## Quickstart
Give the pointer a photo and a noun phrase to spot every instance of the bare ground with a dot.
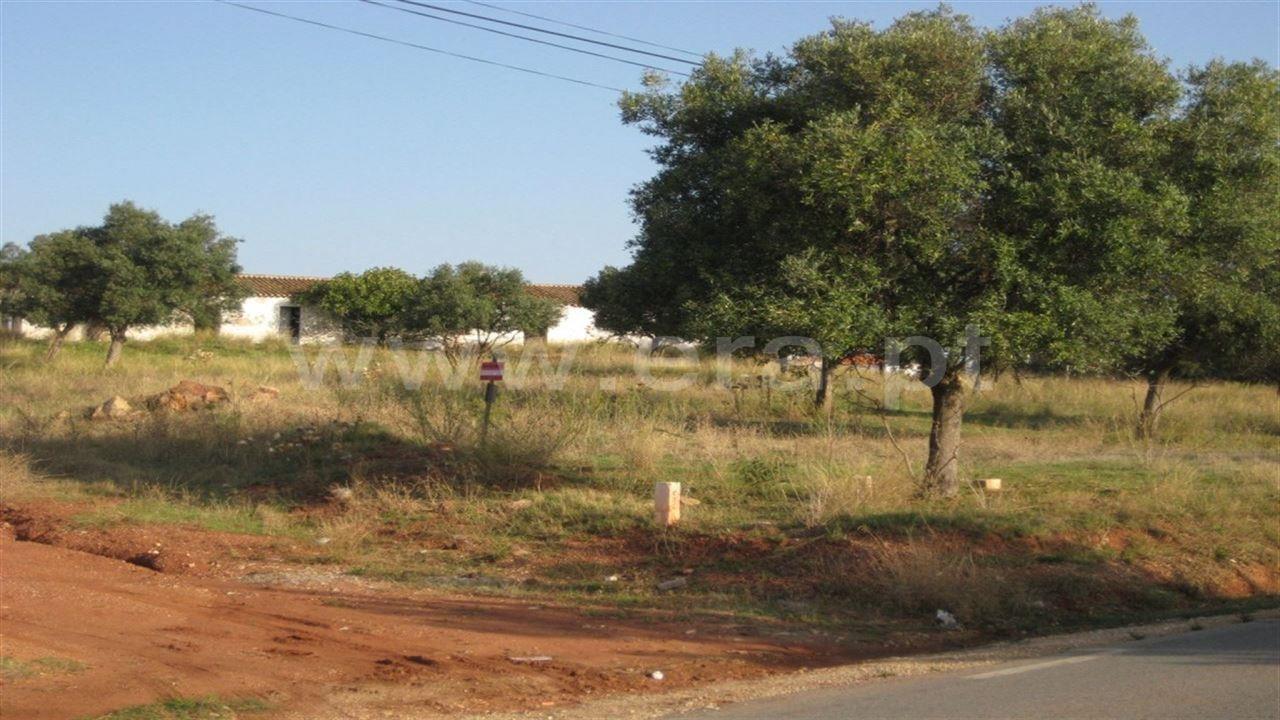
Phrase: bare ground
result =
(326, 641)
(148, 612)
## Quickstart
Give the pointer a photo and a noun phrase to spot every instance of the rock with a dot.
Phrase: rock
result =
(991, 484)
(264, 392)
(520, 504)
(946, 620)
(113, 409)
(689, 502)
(207, 393)
(656, 675)
(188, 395)
(673, 583)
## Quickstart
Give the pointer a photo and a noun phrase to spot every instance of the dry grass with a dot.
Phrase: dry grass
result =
(586, 447)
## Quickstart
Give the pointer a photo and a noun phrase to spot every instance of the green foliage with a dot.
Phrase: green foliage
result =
(220, 292)
(134, 269)
(477, 307)
(149, 268)
(469, 307)
(50, 282)
(619, 299)
(1223, 279)
(11, 295)
(372, 304)
(830, 194)
(929, 177)
(1081, 199)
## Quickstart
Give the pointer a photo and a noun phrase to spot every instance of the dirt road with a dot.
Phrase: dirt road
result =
(139, 635)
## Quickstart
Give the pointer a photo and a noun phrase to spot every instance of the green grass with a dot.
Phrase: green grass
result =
(204, 708)
(160, 508)
(14, 669)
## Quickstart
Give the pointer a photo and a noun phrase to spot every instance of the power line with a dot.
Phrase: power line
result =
(406, 43)
(584, 27)
(579, 38)
(524, 37)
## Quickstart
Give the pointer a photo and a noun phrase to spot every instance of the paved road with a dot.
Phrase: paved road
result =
(1231, 672)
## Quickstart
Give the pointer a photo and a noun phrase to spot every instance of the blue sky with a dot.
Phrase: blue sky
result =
(327, 152)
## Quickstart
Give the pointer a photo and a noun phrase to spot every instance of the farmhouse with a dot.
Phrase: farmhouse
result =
(269, 312)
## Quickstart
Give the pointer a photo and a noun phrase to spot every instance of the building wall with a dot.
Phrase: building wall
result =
(577, 324)
(258, 319)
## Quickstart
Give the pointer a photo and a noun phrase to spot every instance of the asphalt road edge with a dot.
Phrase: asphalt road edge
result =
(713, 696)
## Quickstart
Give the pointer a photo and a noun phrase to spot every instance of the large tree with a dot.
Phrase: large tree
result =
(150, 269)
(372, 304)
(1223, 278)
(917, 181)
(133, 269)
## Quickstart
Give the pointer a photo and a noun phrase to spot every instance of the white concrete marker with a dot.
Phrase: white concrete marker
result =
(666, 503)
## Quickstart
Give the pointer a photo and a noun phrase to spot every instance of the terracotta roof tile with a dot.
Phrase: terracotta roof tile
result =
(276, 285)
(286, 285)
(567, 294)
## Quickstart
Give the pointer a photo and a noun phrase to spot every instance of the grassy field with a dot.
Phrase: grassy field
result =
(797, 516)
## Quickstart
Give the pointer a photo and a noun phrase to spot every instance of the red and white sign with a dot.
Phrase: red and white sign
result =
(491, 371)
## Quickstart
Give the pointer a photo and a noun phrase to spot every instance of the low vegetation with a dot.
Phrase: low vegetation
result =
(12, 668)
(205, 708)
(794, 513)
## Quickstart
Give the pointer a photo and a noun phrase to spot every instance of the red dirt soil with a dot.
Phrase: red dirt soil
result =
(145, 635)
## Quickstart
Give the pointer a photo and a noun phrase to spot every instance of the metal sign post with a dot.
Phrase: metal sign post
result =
(490, 372)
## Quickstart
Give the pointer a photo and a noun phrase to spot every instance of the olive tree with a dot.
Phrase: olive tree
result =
(372, 304)
(133, 269)
(1223, 278)
(50, 283)
(476, 307)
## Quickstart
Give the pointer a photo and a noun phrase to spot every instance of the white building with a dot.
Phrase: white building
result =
(268, 312)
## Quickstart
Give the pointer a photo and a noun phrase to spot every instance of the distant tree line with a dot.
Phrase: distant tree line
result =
(468, 308)
(1051, 183)
(134, 269)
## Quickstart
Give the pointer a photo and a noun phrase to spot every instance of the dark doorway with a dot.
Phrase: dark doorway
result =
(291, 321)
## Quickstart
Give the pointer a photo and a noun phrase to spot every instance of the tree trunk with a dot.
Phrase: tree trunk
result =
(116, 348)
(942, 472)
(55, 345)
(824, 398)
(1152, 405)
